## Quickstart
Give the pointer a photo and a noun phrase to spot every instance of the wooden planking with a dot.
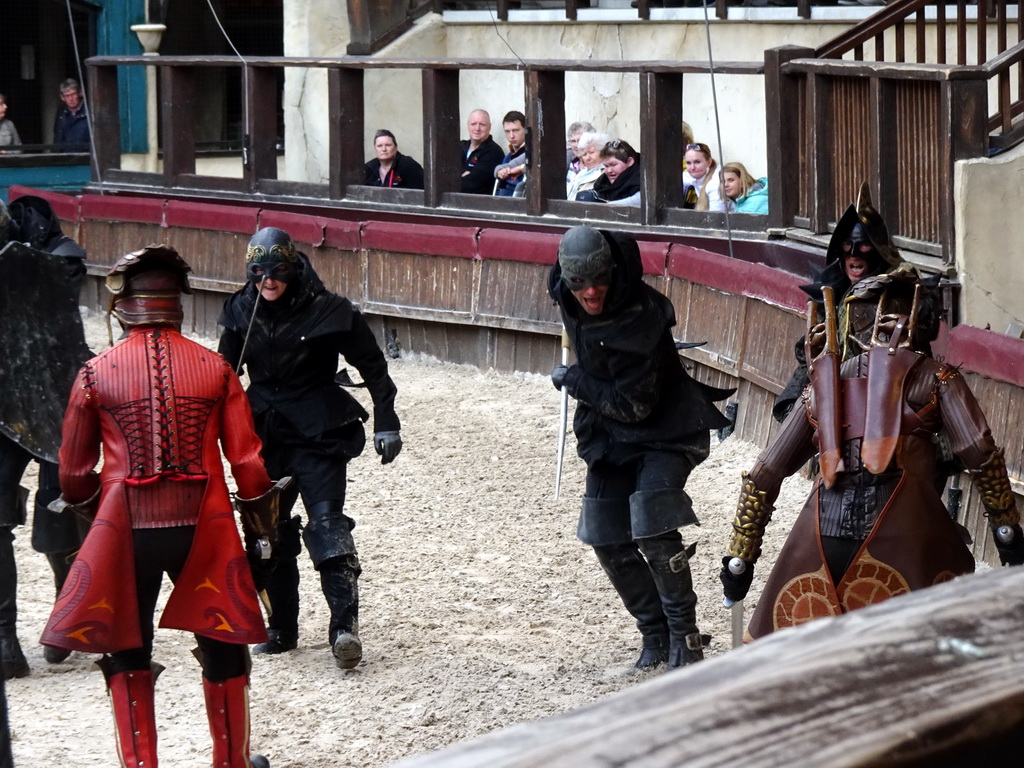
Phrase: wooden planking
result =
(107, 241)
(218, 256)
(436, 282)
(706, 315)
(769, 335)
(948, 659)
(526, 352)
(343, 272)
(515, 289)
(923, 177)
(849, 105)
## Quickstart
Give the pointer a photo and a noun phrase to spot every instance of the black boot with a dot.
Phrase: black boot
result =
(628, 572)
(12, 660)
(339, 578)
(283, 591)
(60, 564)
(670, 567)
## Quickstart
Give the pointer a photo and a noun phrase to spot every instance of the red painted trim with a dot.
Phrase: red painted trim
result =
(219, 218)
(987, 353)
(343, 235)
(741, 278)
(510, 245)
(654, 257)
(65, 206)
(140, 210)
(429, 239)
(303, 228)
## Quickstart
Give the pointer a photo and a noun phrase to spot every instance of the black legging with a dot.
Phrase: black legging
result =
(165, 550)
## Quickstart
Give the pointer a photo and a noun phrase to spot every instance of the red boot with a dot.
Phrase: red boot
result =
(131, 696)
(227, 709)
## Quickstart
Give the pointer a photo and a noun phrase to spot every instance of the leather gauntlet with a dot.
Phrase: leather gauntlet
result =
(85, 509)
(993, 484)
(259, 519)
(753, 512)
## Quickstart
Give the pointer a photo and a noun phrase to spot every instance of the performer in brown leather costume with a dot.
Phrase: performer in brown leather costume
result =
(162, 408)
(874, 525)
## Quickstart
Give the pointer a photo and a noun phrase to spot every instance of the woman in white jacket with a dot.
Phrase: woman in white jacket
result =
(701, 176)
(591, 168)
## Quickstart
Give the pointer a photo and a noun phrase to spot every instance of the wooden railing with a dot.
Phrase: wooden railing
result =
(883, 102)
(661, 99)
(501, 8)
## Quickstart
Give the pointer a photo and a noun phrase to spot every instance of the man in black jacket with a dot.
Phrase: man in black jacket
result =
(480, 155)
(642, 425)
(309, 425)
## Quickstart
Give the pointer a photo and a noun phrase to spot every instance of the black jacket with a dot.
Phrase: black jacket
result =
(405, 173)
(481, 164)
(71, 129)
(632, 390)
(626, 185)
(292, 356)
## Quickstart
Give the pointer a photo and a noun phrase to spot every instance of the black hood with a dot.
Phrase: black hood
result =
(861, 214)
(626, 281)
(34, 222)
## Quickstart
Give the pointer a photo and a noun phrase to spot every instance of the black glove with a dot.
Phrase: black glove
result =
(558, 374)
(1010, 552)
(735, 585)
(388, 445)
(262, 569)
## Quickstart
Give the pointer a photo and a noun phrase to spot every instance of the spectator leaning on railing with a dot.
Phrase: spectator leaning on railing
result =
(391, 168)
(8, 133)
(744, 193)
(701, 185)
(580, 185)
(620, 182)
(71, 126)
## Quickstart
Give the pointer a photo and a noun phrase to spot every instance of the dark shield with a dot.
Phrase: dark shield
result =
(42, 346)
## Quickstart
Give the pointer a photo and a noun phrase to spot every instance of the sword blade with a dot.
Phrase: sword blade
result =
(737, 623)
(563, 418)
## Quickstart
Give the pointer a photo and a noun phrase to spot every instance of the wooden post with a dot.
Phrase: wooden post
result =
(783, 120)
(345, 106)
(963, 131)
(106, 119)
(661, 143)
(545, 111)
(261, 108)
(178, 121)
(442, 168)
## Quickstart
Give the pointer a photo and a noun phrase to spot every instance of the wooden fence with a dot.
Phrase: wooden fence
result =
(474, 293)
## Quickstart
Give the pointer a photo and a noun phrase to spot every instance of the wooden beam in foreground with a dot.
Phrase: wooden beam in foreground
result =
(931, 679)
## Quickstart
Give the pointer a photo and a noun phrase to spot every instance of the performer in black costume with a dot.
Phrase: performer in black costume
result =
(642, 425)
(310, 426)
(33, 222)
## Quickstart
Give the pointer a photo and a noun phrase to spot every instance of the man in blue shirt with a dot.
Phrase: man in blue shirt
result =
(71, 126)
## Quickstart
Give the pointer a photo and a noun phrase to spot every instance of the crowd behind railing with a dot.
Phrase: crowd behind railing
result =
(70, 125)
(599, 168)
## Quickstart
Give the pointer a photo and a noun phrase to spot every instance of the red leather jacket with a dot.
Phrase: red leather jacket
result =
(162, 407)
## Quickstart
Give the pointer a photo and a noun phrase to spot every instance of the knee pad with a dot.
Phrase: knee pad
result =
(656, 512)
(328, 534)
(603, 522)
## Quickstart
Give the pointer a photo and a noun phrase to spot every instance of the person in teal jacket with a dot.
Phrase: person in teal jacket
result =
(746, 194)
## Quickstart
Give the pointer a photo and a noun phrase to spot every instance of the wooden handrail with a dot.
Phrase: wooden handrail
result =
(507, 65)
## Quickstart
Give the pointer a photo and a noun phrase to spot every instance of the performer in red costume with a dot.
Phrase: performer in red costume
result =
(162, 408)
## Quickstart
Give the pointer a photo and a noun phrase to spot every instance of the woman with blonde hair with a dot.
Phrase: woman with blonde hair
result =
(701, 185)
(745, 193)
